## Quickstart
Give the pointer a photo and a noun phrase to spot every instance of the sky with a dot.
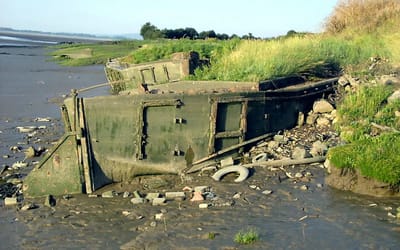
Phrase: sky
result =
(262, 18)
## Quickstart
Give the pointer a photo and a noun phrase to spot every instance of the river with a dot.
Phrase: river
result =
(288, 218)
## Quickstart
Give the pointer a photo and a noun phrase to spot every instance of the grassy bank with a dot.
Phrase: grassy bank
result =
(88, 54)
(365, 111)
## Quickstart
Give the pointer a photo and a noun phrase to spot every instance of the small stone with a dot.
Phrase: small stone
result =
(204, 205)
(153, 224)
(304, 187)
(280, 138)
(187, 189)
(267, 192)
(253, 186)
(226, 162)
(197, 196)
(158, 201)
(159, 216)
(28, 206)
(322, 106)
(320, 185)
(9, 201)
(237, 195)
(299, 153)
(126, 194)
(136, 194)
(126, 213)
(298, 175)
(318, 148)
(152, 196)
(175, 195)
(109, 194)
(201, 189)
(93, 195)
(323, 122)
(137, 200)
(30, 152)
(6, 156)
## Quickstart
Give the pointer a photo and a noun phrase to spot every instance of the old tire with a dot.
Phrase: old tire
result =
(242, 171)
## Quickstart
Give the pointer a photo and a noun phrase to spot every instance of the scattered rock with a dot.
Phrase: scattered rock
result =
(228, 161)
(204, 205)
(318, 149)
(158, 201)
(197, 196)
(201, 189)
(323, 122)
(109, 194)
(304, 187)
(267, 192)
(237, 195)
(137, 200)
(126, 194)
(28, 206)
(30, 152)
(10, 201)
(159, 216)
(18, 165)
(299, 153)
(152, 196)
(175, 195)
(322, 106)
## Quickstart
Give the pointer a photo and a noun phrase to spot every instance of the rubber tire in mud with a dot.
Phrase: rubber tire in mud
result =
(242, 171)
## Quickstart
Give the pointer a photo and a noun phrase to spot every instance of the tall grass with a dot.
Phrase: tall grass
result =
(315, 55)
(359, 109)
(375, 157)
(163, 49)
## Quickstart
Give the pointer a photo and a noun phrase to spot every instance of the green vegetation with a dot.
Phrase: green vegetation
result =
(375, 153)
(163, 49)
(88, 54)
(246, 237)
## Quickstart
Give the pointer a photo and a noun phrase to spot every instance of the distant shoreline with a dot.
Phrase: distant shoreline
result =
(22, 38)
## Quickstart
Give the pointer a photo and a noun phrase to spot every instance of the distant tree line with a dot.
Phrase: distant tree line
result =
(149, 32)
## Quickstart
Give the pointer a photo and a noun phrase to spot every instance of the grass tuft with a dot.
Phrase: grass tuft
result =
(246, 237)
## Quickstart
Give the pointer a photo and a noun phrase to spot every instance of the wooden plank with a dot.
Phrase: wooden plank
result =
(213, 127)
(223, 151)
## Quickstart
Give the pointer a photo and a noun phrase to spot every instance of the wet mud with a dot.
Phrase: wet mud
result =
(298, 213)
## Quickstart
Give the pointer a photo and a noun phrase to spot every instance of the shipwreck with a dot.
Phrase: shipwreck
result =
(161, 124)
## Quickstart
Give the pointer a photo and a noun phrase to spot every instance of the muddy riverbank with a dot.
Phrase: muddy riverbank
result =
(288, 213)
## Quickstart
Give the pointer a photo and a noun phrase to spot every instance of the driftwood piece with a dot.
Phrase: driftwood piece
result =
(287, 162)
(384, 128)
(223, 151)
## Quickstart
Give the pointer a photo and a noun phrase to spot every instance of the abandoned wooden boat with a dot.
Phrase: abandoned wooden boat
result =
(165, 129)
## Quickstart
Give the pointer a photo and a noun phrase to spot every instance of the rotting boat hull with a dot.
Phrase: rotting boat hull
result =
(115, 138)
